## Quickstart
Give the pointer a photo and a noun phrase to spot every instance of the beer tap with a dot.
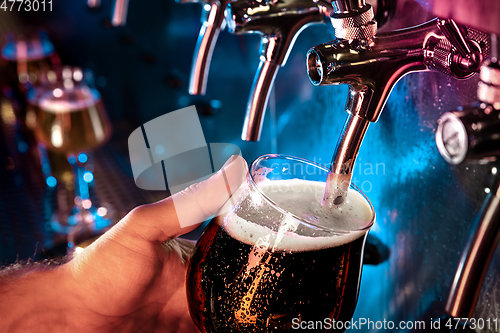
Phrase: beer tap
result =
(119, 15)
(472, 134)
(373, 66)
(212, 23)
(279, 23)
(372, 63)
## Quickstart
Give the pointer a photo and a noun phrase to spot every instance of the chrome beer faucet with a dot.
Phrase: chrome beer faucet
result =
(372, 66)
(119, 14)
(279, 23)
(212, 23)
(372, 63)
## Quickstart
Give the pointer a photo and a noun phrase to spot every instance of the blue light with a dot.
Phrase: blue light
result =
(72, 221)
(101, 223)
(71, 159)
(216, 104)
(82, 158)
(88, 177)
(51, 181)
(22, 147)
(46, 167)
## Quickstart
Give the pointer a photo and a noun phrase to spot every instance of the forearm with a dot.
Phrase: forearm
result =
(35, 298)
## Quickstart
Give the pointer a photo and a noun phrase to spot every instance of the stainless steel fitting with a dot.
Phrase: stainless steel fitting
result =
(374, 66)
(212, 22)
(119, 15)
(353, 20)
(279, 23)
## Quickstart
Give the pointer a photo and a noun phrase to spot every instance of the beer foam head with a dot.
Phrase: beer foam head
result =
(303, 200)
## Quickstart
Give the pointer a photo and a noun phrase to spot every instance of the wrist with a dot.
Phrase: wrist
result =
(36, 299)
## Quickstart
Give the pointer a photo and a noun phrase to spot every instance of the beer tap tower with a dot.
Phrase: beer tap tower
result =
(372, 63)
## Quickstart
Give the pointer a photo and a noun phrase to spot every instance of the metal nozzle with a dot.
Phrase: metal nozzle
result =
(119, 17)
(279, 23)
(259, 96)
(207, 38)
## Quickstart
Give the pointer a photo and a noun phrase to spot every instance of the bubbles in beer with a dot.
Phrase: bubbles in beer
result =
(257, 267)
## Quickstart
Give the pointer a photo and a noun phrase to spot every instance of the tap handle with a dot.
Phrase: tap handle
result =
(119, 16)
(467, 47)
(459, 52)
(257, 103)
(451, 30)
(209, 32)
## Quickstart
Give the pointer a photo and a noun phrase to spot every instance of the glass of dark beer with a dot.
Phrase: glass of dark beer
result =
(274, 259)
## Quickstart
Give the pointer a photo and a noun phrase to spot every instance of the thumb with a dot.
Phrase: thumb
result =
(184, 211)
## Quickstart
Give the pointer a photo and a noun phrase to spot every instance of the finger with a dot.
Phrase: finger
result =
(201, 200)
(185, 210)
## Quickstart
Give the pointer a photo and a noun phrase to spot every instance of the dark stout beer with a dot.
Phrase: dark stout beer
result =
(244, 277)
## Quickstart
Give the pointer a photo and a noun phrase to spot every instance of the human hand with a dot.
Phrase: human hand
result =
(129, 280)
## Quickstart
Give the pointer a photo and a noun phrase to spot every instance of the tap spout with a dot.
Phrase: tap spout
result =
(207, 38)
(279, 23)
(259, 96)
(119, 17)
(346, 152)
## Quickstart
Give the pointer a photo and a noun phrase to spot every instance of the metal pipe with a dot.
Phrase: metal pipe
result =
(259, 96)
(205, 45)
(279, 23)
(119, 16)
(347, 150)
(476, 257)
